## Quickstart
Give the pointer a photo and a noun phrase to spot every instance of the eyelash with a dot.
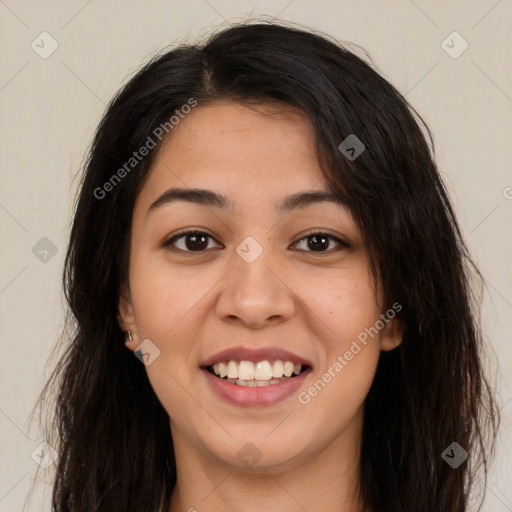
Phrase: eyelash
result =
(168, 243)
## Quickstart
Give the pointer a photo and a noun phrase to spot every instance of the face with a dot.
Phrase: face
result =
(252, 279)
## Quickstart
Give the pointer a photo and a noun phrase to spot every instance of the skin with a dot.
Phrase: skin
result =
(312, 303)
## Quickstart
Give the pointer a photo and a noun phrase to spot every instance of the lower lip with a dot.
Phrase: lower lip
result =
(255, 396)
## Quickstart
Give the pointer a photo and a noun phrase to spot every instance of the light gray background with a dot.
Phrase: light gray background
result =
(50, 108)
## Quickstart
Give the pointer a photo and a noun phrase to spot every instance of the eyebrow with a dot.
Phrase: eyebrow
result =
(220, 201)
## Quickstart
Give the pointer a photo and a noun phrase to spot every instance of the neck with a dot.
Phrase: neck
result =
(327, 481)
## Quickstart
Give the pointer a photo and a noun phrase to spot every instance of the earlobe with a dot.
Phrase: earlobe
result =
(126, 319)
(130, 345)
(392, 335)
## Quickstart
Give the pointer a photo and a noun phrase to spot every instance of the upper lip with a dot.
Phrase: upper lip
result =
(255, 355)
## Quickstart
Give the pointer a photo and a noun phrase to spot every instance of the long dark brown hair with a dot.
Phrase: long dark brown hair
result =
(115, 450)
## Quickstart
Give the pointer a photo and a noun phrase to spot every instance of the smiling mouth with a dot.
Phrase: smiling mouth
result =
(260, 374)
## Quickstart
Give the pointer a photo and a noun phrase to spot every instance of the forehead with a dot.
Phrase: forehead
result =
(265, 151)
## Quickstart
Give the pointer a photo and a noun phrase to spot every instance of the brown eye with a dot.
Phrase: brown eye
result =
(190, 241)
(198, 242)
(319, 242)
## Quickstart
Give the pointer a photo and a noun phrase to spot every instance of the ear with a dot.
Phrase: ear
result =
(126, 317)
(392, 334)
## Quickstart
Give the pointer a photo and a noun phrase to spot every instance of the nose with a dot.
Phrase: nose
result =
(256, 294)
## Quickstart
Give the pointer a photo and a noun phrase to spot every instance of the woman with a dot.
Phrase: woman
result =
(262, 224)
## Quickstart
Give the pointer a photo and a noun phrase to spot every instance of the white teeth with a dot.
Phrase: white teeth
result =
(262, 371)
(256, 374)
(277, 369)
(256, 383)
(288, 368)
(232, 370)
(246, 370)
(223, 369)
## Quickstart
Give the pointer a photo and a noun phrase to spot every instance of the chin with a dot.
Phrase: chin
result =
(257, 451)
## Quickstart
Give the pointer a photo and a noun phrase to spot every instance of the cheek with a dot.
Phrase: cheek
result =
(344, 305)
(169, 305)
(167, 313)
(346, 309)
(165, 296)
(334, 398)
(350, 355)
